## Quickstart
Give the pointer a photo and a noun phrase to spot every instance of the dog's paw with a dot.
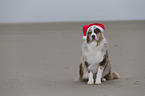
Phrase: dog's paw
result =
(78, 79)
(90, 82)
(103, 80)
(98, 82)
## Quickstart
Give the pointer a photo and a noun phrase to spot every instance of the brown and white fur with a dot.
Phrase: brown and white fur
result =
(95, 65)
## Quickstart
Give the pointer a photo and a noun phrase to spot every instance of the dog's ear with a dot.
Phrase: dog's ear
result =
(88, 39)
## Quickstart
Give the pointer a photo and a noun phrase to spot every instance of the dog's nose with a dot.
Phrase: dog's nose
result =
(93, 36)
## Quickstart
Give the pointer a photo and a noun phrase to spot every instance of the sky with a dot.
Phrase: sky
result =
(16, 11)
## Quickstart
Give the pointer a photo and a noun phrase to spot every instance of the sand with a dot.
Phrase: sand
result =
(42, 59)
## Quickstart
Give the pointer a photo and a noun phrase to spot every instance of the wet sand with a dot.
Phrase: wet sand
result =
(42, 59)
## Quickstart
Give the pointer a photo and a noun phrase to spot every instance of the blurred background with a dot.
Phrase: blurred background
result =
(19, 11)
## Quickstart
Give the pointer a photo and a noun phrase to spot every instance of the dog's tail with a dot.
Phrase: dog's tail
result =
(115, 75)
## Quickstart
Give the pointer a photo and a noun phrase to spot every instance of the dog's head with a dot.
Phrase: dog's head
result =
(93, 32)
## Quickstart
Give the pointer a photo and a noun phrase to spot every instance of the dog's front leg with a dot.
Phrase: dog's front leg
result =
(91, 80)
(99, 75)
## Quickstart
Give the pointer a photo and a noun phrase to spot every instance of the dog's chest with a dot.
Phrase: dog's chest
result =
(94, 55)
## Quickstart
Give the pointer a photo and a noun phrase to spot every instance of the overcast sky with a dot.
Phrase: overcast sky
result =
(12, 11)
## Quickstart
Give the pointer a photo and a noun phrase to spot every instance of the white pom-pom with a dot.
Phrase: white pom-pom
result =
(85, 37)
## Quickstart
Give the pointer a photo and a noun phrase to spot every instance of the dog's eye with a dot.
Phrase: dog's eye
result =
(96, 31)
(89, 33)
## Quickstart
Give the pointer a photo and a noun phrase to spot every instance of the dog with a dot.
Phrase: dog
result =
(95, 65)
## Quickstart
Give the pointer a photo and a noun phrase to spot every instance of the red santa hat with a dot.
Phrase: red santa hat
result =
(87, 27)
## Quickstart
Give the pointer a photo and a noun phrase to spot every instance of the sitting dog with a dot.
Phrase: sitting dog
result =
(95, 65)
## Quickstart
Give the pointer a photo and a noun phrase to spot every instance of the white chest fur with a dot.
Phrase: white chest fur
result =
(93, 54)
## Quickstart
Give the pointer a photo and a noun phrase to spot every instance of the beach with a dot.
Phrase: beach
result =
(42, 59)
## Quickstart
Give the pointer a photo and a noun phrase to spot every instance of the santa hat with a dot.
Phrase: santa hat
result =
(87, 27)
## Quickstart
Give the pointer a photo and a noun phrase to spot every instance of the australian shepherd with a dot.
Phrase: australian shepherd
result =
(95, 65)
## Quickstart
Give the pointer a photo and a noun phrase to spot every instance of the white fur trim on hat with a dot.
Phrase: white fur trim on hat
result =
(85, 37)
(95, 26)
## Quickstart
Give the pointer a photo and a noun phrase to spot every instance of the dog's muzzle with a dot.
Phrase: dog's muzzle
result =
(93, 36)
